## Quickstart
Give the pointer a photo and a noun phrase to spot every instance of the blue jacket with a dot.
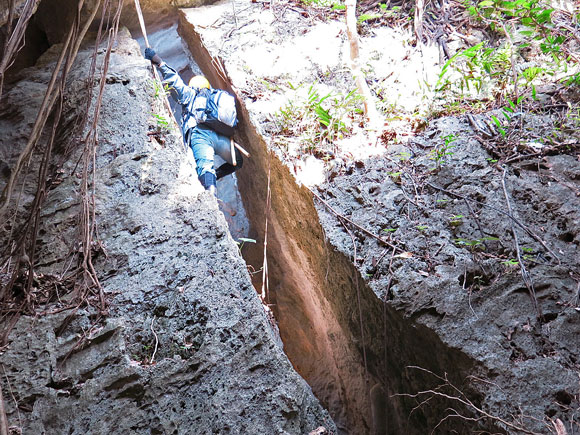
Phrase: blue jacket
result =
(185, 97)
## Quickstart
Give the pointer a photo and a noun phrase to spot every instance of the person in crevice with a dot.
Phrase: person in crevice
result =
(204, 141)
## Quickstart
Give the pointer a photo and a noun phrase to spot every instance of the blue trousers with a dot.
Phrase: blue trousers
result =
(205, 144)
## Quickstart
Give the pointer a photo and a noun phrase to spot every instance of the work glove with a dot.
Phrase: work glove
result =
(152, 56)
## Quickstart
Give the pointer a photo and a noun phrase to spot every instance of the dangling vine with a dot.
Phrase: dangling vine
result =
(19, 289)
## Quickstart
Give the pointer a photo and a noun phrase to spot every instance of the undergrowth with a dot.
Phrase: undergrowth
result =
(318, 119)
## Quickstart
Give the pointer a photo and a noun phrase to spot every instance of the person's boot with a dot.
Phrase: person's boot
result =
(228, 168)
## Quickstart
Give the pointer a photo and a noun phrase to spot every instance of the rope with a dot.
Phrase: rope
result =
(141, 22)
(144, 31)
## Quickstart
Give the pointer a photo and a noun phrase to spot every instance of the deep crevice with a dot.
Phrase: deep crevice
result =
(317, 311)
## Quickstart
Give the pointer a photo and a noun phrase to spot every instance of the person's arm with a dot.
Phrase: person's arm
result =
(185, 94)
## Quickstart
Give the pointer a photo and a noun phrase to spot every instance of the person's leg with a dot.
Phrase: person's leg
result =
(203, 152)
(228, 168)
(222, 147)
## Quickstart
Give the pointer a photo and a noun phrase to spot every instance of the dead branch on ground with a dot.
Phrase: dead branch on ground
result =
(344, 218)
(458, 396)
(525, 274)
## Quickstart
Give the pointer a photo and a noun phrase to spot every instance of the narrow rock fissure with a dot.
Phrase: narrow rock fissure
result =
(314, 288)
(313, 294)
(291, 308)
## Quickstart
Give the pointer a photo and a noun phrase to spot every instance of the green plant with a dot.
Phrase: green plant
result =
(321, 3)
(159, 88)
(422, 228)
(393, 12)
(160, 120)
(403, 156)
(472, 244)
(526, 25)
(316, 119)
(395, 176)
(368, 17)
(475, 68)
(456, 220)
(440, 153)
(511, 262)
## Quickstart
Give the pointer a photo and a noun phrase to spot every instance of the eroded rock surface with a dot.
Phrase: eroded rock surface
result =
(456, 302)
(186, 346)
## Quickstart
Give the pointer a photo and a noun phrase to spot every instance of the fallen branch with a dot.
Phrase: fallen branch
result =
(461, 398)
(525, 274)
(364, 230)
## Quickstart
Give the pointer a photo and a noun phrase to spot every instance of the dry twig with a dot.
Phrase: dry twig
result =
(156, 341)
(514, 220)
(525, 274)
(459, 396)
(364, 230)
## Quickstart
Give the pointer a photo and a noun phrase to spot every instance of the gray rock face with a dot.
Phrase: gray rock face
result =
(439, 301)
(463, 280)
(186, 346)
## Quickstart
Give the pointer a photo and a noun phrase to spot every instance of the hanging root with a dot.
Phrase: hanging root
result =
(22, 291)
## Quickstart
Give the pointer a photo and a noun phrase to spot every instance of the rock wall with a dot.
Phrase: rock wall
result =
(354, 358)
(426, 338)
(185, 346)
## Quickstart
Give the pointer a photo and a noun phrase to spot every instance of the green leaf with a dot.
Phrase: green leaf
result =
(486, 3)
(367, 17)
